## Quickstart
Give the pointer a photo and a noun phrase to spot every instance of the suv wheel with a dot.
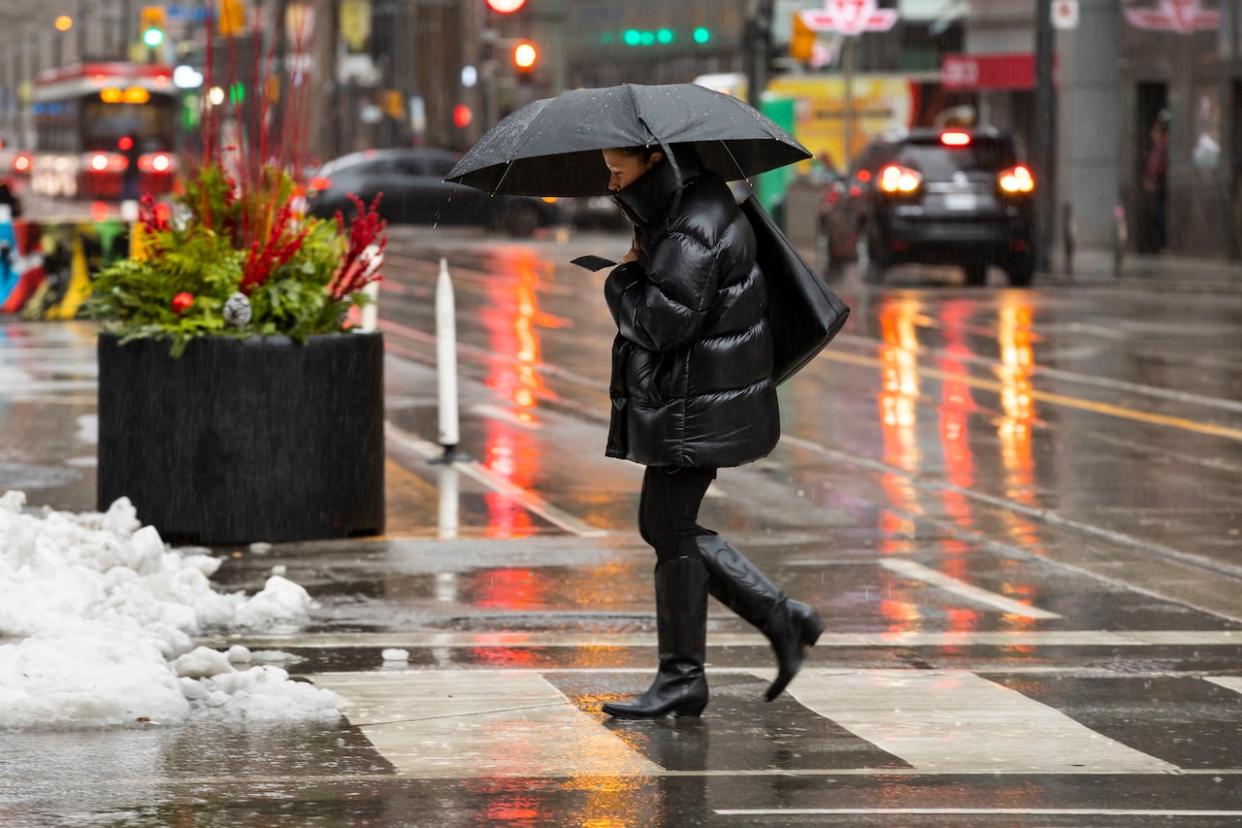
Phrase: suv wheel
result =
(976, 273)
(1021, 272)
(870, 268)
(521, 221)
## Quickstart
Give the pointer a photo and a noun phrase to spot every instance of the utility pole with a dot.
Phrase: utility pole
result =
(1044, 108)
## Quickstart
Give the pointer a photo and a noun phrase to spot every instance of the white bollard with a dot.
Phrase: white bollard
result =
(370, 311)
(449, 499)
(446, 360)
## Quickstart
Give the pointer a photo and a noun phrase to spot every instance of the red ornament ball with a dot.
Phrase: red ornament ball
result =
(182, 302)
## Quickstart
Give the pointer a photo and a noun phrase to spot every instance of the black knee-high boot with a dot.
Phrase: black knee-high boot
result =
(789, 625)
(680, 686)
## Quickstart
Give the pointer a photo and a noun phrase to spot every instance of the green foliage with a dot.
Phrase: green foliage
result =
(209, 254)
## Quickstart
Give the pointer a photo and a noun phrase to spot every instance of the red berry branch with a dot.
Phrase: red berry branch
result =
(269, 254)
(365, 253)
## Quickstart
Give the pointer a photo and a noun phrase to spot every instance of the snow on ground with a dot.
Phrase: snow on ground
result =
(107, 613)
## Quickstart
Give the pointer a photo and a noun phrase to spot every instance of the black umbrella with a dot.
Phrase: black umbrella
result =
(552, 147)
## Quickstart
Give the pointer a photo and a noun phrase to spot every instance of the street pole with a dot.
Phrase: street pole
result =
(1044, 107)
(847, 64)
(758, 36)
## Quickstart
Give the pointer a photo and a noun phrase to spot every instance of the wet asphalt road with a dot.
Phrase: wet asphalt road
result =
(1017, 512)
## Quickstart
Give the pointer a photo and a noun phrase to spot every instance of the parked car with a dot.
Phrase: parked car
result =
(931, 196)
(415, 192)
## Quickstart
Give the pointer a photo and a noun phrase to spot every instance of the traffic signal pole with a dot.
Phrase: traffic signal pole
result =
(1044, 108)
(758, 42)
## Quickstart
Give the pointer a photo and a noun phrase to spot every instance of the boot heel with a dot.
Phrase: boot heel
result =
(812, 629)
(694, 709)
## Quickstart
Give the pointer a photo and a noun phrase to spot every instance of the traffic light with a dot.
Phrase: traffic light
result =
(525, 56)
(802, 43)
(153, 20)
(462, 116)
(505, 6)
(231, 17)
(702, 35)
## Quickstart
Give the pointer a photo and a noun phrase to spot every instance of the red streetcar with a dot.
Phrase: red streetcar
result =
(104, 131)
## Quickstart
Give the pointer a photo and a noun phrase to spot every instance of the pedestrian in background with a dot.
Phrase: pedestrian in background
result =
(692, 392)
(1153, 237)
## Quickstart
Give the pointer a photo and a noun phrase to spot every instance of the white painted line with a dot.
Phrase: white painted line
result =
(279, 779)
(953, 721)
(524, 497)
(506, 415)
(454, 724)
(503, 638)
(967, 811)
(1233, 683)
(916, 570)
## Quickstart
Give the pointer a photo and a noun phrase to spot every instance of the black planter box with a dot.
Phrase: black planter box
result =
(245, 440)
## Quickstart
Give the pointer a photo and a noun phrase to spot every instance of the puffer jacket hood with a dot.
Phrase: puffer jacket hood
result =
(692, 360)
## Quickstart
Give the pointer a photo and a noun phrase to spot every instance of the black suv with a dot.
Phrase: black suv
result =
(934, 196)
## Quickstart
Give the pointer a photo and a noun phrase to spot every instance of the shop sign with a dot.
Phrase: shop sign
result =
(1001, 71)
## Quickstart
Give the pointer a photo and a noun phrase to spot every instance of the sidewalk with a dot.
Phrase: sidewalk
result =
(1097, 266)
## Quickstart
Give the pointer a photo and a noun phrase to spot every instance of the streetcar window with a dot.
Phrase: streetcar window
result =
(151, 124)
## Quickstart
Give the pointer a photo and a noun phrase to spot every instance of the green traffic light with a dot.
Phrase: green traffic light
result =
(665, 36)
(632, 37)
(702, 34)
(153, 37)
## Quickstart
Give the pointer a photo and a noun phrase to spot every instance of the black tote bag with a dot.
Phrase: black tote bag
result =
(803, 313)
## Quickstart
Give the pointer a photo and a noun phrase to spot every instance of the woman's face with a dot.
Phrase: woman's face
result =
(625, 168)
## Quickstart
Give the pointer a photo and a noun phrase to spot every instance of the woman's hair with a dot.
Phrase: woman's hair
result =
(642, 153)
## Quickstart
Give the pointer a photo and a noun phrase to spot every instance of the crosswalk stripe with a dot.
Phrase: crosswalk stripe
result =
(916, 570)
(541, 638)
(459, 723)
(953, 721)
(969, 812)
(1233, 683)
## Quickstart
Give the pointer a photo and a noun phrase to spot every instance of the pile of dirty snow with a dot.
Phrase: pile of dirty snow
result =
(107, 612)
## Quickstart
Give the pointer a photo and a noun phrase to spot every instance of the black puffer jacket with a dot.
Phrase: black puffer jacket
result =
(692, 362)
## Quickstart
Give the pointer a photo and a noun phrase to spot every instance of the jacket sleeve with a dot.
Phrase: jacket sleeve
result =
(661, 305)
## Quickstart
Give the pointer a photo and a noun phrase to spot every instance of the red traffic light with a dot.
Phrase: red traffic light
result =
(525, 55)
(505, 6)
(462, 116)
(125, 143)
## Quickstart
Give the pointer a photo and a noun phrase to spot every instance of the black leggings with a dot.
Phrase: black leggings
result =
(668, 511)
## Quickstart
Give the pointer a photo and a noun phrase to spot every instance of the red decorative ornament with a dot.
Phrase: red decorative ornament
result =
(182, 301)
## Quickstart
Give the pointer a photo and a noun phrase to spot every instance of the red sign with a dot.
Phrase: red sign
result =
(1181, 16)
(1005, 71)
(850, 17)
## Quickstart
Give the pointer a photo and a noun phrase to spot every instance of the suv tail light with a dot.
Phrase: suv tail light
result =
(319, 183)
(1016, 181)
(898, 180)
(159, 162)
(22, 162)
(106, 162)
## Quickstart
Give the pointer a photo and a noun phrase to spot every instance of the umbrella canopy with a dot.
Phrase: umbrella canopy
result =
(551, 147)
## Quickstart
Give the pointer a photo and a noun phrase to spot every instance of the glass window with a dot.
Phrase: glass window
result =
(934, 160)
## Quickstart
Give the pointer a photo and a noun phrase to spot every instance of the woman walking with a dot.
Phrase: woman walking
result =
(692, 392)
